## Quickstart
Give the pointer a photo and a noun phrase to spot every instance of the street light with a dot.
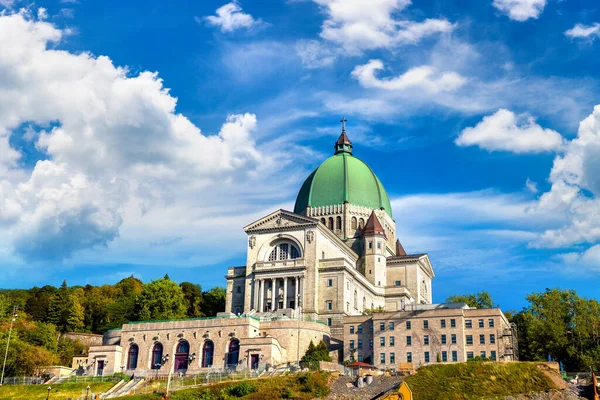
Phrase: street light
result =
(48, 395)
(122, 368)
(14, 317)
(87, 393)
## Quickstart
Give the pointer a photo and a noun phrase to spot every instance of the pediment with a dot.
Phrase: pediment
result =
(280, 219)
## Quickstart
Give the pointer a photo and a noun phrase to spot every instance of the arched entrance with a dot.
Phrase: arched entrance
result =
(132, 356)
(157, 353)
(208, 351)
(182, 356)
(233, 354)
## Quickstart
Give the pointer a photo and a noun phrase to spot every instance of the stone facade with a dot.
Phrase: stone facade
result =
(429, 334)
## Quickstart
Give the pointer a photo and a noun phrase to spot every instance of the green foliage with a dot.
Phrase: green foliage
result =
(24, 359)
(40, 334)
(314, 353)
(242, 389)
(192, 295)
(480, 300)
(38, 303)
(161, 299)
(59, 391)
(314, 383)
(67, 348)
(213, 301)
(477, 380)
(371, 311)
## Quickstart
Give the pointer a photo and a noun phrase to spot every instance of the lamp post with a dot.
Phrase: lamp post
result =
(122, 368)
(48, 395)
(87, 392)
(14, 317)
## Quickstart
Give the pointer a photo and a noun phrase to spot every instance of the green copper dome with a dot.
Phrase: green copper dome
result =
(342, 178)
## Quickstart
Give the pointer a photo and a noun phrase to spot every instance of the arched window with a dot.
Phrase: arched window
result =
(364, 303)
(157, 353)
(330, 223)
(338, 223)
(284, 251)
(361, 223)
(323, 221)
(182, 356)
(233, 354)
(353, 223)
(208, 350)
(356, 299)
(132, 358)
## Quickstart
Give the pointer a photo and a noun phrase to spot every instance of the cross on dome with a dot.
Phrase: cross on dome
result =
(343, 144)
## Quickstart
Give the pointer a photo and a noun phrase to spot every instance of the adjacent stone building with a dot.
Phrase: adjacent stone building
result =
(425, 334)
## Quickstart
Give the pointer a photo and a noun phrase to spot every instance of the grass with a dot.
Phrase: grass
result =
(61, 391)
(304, 386)
(477, 380)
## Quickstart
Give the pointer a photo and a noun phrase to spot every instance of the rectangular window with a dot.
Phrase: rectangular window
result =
(454, 356)
(444, 356)
(443, 339)
(359, 329)
(392, 341)
(481, 323)
(397, 283)
(351, 329)
(360, 357)
(426, 356)
(382, 358)
(378, 245)
(493, 355)
(371, 328)
(329, 321)
(360, 343)
(425, 324)
(426, 340)
(452, 323)
(392, 358)
(482, 354)
(382, 326)
(409, 357)
(370, 245)
(407, 324)
(491, 322)
(481, 339)
(382, 341)
(329, 305)
(492, 338)
(469, 340)
(352, 345)
(392, 326)
(409, 340)
(468, 324)
(469, 355)
(453, 338)
(443, 323)
(370, 343)
(329, 282)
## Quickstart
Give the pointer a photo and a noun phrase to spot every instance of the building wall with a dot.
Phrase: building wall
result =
(418, 332)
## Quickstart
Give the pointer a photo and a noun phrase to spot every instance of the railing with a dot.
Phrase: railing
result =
(188, 319)
(36, 380)
(293, 263)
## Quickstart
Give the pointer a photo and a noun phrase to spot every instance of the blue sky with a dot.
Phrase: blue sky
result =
(140, 137)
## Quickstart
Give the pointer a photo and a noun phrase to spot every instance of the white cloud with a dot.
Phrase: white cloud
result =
(230, 17)
(315, 54)
(115, 151)
(358, 27)
(521, 10)
(506, 131)
(531, 186)
(42, 14)
(423, 77)
(584, 31)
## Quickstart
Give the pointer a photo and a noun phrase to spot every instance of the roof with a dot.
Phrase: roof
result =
(399, 249)
(373, 226)
(360, 364)
(343, 178)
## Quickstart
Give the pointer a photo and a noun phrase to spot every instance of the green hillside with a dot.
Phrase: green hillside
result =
(61, 391)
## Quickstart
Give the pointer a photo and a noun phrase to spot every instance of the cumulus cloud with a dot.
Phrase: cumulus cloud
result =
(581, 31)
(506, 131)
(230, 18)
(357, 27)
(423, 77)
(315, 54)
(113, 146)
(521, 10)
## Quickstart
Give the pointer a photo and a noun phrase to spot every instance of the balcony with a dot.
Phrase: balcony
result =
(297, 263)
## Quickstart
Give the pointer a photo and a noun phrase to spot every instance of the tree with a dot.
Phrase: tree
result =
(60, 308)
(161, 299)
(24, 359)
(314, 353)
(39, 334)
(480, 300)
(193, 299)
(38, 303)
(213, 301)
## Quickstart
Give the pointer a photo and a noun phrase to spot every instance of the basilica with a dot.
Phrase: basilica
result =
(312, 274)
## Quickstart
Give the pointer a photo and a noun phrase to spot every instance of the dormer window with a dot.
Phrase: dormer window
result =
(284, 251)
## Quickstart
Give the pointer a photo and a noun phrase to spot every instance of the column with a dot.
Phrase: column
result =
(296, 295)
(256, 293)
(285, 292)
(273, 287)
(261, 297)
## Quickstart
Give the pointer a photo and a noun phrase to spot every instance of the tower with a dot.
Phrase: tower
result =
(374, 257)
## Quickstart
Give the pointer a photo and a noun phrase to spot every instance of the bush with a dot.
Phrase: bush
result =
(315, 383)
(242, 389)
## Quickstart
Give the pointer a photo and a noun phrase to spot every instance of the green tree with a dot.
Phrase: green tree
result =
(40, 334)
(480, 300)
(38, 303)
(193, 299)
(68, 348)
(161, 299)
(213, 301)
(59, 309)
(24, 359)
(314, 353)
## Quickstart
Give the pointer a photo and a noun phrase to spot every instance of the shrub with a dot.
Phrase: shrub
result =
(242, 389)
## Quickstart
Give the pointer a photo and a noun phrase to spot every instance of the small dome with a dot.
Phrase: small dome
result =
(342, 178)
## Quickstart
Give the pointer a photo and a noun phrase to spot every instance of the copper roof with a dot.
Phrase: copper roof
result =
(399, 249)
(343, 139)
(373, 226)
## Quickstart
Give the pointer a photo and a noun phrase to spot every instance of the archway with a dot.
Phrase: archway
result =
(157, 354)
(182, 356)
(132, 356)
(208, 351)
(233, 355)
